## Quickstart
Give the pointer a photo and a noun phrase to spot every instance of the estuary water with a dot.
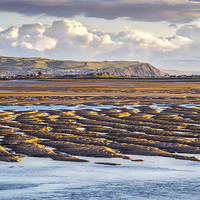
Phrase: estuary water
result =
(43, 178)
(155, 178)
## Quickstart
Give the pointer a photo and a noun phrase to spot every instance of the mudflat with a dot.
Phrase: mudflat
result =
(66, 119)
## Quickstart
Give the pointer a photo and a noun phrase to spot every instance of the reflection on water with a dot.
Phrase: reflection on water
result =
(78, 107)
(191, 105)
(156, 178)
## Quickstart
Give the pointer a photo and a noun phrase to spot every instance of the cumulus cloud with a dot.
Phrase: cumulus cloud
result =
(9, 36)
(32, 29)
(143, 10)
(73, 34)
(27, 37)
(69, 39)
(148, 41)
(39, 43)
(67, 28)
(26, 45)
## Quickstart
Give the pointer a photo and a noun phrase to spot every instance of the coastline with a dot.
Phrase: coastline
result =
(75, 130)
(45, 131)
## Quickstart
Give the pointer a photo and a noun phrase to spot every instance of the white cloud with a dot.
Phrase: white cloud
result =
(148, 41)
(26, 45)
(72, 33)
(27, 37)
(69, 39)
(32, 29)
(61, 29)
(39, 43)
(9, 35)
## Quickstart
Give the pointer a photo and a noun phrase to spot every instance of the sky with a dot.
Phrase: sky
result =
(164, 33)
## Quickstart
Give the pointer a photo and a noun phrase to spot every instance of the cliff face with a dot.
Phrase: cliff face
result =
(145, 69)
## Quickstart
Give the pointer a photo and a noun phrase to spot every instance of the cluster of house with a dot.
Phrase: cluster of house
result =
(182, 76)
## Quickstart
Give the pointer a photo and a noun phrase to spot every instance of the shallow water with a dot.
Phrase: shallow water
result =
(43, 178)
(78, 107)
(155, 178)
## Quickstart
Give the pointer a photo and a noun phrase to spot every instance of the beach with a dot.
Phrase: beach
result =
(76, 136)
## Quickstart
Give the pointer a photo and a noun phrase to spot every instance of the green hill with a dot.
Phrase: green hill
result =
(113, 67)
(41, 63)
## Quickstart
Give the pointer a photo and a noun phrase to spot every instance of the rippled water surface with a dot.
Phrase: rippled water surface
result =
(155, 178)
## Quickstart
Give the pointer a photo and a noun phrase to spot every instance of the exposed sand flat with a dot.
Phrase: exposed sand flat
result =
(99, 118)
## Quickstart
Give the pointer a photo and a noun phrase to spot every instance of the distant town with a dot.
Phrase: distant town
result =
(30, 73)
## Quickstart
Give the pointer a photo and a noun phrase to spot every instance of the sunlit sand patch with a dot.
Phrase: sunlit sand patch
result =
(9, 157)
(99, 123)
(83, 149)
(106, 163)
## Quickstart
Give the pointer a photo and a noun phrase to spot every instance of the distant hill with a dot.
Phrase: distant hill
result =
(118, 68)
(140, 69)
(179, 72)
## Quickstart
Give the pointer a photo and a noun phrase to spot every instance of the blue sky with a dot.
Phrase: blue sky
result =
(165, 33)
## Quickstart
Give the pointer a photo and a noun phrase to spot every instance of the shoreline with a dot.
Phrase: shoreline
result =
(79, 132)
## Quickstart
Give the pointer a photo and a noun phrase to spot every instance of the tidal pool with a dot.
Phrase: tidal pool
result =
(78, 107)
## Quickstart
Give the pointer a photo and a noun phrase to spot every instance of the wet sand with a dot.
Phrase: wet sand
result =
(113, 118)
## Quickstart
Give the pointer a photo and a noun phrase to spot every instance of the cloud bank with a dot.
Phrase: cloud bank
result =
(69, 39)
(174, 11)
